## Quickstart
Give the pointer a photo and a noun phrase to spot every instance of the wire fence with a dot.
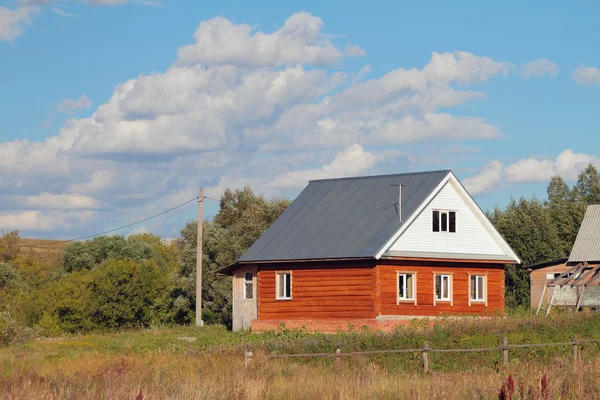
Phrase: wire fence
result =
(426, 350)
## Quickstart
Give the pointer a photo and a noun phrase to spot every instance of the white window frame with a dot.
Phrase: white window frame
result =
(444, 211)
(412, 299)
(448, 299)
(484, 299)
(553, 275)
(246, 285)
(278, 275)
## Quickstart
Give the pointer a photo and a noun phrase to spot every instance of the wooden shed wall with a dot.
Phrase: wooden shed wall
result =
(343, 290)
(386, 287)
(538, 280)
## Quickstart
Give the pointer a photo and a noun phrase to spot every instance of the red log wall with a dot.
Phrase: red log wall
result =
(365, 290)
(386, 303)
(339, 290)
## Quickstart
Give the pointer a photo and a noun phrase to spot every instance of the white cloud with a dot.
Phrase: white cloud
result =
(354, 51)
(60, 201)
(487, 179)
(350, 162)
(567, 164)
(539, 68)
(222, 116)
(586, 76)
(62, 13)
(530, 170)
(14, 22)
(71, 105)
(298, 41)
(44, 221)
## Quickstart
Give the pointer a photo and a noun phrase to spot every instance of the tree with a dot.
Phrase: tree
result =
(566, 212)
(588, 186)
(9, 246)
(243, 216)
(122, 293)
(528, 228)
(143, 247)
(9, 276)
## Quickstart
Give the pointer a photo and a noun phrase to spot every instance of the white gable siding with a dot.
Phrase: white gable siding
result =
(471, 236)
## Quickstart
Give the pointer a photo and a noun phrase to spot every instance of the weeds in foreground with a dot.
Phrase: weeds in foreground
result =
(219, 375)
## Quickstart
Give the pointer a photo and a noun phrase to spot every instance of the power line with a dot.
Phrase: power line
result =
(121, 227)
(210, 198)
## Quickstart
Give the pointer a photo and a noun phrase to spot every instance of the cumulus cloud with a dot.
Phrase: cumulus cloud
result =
(298, 41)
(44, 221)
(586, 76)
(350, 162)
(539, 68)
(71, 105)
(242, 106)
(60, 201)
(14, 22)
(567, 164)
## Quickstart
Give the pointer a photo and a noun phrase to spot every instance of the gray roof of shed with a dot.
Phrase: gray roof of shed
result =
(587, 244)
(343, 218)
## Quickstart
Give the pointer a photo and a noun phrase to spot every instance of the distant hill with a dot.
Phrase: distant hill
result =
(43, 245)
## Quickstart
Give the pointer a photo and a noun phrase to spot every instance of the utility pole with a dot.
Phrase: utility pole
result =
(199, 321)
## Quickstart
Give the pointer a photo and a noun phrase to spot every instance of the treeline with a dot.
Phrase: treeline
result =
(114, 282)
(543, 230)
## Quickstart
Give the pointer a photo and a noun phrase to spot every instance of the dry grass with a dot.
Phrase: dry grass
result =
(42, 245)
(217, 375)
(159, 365)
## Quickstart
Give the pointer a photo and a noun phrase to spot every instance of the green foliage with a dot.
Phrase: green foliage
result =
(542, 231)
(90, 254)
(242, 218)
(566, 211)
(9, 276)
(62, 305)
(122, 293)
(12, 332)
(9, 246)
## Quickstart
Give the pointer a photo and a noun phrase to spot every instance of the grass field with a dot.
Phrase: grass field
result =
(42, 245)
(165, 363)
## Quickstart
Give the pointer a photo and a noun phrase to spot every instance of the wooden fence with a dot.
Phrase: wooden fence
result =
(425, 350)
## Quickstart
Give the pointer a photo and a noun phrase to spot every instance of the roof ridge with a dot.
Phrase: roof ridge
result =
(381, 176)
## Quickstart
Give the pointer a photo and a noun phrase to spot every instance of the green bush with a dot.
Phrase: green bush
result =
(122, 293)
(11, 332)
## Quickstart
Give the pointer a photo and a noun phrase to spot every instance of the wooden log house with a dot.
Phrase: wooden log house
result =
(372, 251)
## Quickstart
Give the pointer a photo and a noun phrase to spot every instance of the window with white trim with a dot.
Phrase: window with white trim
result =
(406, 286)
(444, 221)
(442, 287)
(478, 283)
(284, 285)
(248, 285)
(553, 275)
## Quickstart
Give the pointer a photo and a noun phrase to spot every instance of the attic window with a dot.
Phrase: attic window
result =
(444, 221)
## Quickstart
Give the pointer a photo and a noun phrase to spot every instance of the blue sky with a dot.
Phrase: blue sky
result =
(113, 112)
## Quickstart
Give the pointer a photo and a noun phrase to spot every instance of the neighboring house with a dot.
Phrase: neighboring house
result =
(543, 273)
(344, 253)
(574, 281)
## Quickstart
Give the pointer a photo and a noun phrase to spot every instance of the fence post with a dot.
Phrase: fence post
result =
(426, 356)
(505, 350)
(575, 348)
(338, 359)
(247, 359)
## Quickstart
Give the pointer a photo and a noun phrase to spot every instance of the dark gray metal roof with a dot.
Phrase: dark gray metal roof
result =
(343, 218)
(587, 244)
